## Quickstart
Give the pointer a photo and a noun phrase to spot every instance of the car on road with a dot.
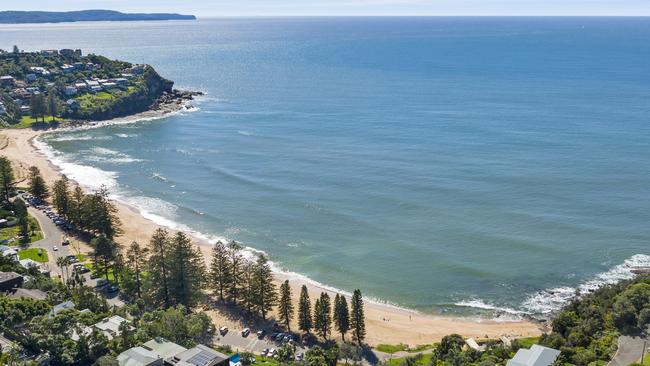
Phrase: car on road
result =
(271, 352)
(223, 330)
(78, 267)
(260, 334)
(113, 289)
(245, 332)
(65, 242)
(55, 248)
(72, 258)
(279, 337)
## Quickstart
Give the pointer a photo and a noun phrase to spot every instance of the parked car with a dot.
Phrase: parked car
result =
(78, 267)
(279, 337)
(300, 356)
(245, 332)
(223, 330)
(113, 289)
(65, 242)
(260, 334)
(55, 248)
(101, 283)
(271, 352)
(265, 352)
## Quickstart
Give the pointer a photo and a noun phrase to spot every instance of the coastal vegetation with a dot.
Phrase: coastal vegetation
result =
(15, 17)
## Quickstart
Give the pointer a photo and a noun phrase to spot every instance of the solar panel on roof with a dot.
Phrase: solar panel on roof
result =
(202, 358)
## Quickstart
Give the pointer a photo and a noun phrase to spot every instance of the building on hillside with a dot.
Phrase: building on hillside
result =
(9, 252)
(70, 90)
(199, 356)
(67, 52)
(7, 80)
(29, 263)
(164, 348)
(72, 104)
(139, 356)
(535, 356)
(62, 306)
(10, 281)
(159, 351)
(49, 53)
(111, 326)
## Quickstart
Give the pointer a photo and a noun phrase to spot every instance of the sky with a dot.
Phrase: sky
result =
(215, 8)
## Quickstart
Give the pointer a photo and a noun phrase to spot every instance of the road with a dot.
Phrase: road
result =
(52, 237)
(251, 343)
(630, 349)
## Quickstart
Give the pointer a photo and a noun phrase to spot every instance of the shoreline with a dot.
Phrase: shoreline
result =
(385, 323)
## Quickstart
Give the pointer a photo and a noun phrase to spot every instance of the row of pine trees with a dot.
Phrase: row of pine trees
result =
(171, 271)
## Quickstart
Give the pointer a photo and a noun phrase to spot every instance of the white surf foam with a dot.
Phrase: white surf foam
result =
(552, 300)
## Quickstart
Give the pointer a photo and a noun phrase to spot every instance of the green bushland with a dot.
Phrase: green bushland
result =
(394, 348)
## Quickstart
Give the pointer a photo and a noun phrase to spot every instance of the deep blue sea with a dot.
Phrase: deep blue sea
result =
(442, 164)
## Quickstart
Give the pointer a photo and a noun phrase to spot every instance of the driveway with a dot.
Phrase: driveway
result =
(630, 349)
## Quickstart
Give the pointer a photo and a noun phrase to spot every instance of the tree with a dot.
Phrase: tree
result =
(341, 315)
(106, 360)
(63, 263)
(316, 356)
(6, 179)
(236, 260)
(104, 254)
(37, 186)
(186, 271)
(136, 257)
(75, 203)
(16, 50)
(37, 106)
(285, 307)
(357, 318)
(304, 311)
(52, 103)
(158, 267)
(220, 269)
(20, 209)
(177, 325)
(264, 296)
(100, 215)
(61, 199)
(322, 315)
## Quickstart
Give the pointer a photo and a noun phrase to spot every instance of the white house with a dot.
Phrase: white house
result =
(535, 356)
(70, 90)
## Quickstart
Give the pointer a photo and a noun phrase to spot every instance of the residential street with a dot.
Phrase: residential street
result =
(630, 349)
(53, 236)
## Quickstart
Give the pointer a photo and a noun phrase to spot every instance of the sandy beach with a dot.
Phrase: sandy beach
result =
(385, 324)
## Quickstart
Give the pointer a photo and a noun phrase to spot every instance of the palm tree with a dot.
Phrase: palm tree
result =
(63, 263)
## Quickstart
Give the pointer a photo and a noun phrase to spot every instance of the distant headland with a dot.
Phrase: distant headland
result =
(16, 17)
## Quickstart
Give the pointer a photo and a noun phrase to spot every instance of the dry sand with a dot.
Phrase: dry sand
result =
(384, 324)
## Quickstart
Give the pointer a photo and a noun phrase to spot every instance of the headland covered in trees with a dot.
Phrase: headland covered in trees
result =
(45, 88)
(16, 17)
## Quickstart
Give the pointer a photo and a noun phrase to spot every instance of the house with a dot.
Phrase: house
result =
(72, 104)
(10, 281)
(139, 356)
(164, 348)
(29, 263)
(25, 110)
(471, 343)
(49, 53)
(7, 80)
(62, 306)
(81, 86)
(199, 356)
(21, 293)
(111, 326)
(70, 90)
(535, 356)
(9, 252)
(67, 69)
(67, 52)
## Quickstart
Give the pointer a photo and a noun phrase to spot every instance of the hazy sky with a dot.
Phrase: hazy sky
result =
(346, 7)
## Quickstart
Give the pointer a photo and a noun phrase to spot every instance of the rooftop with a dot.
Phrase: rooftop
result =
(163, 347)
(138, 356)
(198, 356)
(535, 356)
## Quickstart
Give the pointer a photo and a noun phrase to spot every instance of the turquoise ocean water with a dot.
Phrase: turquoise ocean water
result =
(464, 165)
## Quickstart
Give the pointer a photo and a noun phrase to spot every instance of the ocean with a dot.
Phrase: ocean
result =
(473, 166)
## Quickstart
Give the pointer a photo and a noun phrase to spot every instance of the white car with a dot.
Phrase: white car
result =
(55, 248)
(271, 353)
(223, 330)
(245, 332)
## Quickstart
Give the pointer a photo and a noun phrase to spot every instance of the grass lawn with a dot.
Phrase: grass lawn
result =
(528, 342)
(27, 121)
(14, 231)
(102, 274)
(32, 253)
(393, 348)
(81, 257)
(424, 360)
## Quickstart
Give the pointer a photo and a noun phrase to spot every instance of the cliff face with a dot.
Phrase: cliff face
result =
(142, 98)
